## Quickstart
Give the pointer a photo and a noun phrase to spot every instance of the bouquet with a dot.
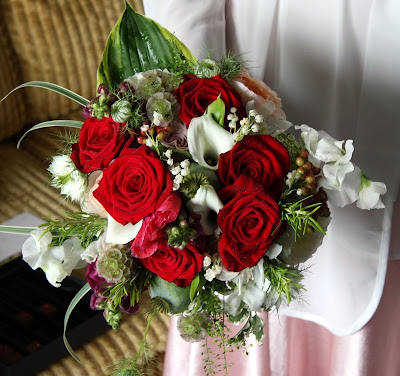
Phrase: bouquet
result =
(193, 186)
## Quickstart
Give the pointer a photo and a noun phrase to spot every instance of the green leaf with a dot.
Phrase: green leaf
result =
(217, 111)
(17, 230)
(52, 123)
(53, 87)
(80, 294)
(137, 44)
(193, 286)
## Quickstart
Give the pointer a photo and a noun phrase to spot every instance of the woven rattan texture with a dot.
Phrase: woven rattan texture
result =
(57, 41)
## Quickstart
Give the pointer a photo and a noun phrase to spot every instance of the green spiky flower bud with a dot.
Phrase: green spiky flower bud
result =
(121, 111)
(206, 68)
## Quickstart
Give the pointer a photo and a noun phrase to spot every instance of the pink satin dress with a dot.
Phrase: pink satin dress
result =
(335, 64)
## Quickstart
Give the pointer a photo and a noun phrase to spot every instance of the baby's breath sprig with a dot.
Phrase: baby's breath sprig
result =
(87, 227)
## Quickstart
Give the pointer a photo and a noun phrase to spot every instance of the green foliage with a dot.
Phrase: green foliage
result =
(146, 364)
(192, 182)
(292, 145)
(217, 111)
(179, 236)
(284, 280)
(132, 287)
(87, 227)
(299, 217)
(137, 44)
(231, 65)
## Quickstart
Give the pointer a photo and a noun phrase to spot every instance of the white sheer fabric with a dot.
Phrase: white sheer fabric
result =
(335, 65)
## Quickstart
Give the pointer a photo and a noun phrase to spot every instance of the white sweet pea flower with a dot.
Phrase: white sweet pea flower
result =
(324, 148)
(205, 201)
(56, 262)
(207, 140)
(251, 287)
(370, 192)
(343, 188)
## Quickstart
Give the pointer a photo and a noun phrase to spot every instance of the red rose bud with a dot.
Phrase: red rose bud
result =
(175, 265)
(135, 185)
(100, 141)
(261, 158)
(250, 223)
(194, 95)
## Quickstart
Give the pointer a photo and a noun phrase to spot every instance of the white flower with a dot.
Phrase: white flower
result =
(324, 148)
(168, 153)
(205, 201)
(341, 183)
(251, 289)
(370, 192)
(56, 262)
(175, 170)
(206, 262)
(207, 140)
(145, 127)
(185, 163)
(178, 179)
(209, 275)
(66, 176)
(121, 234)
(149, 142)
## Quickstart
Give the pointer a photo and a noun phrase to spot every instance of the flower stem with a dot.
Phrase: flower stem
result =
(142, 343)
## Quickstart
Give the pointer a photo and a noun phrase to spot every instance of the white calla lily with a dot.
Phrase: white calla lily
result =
(121, 234)
(205, 201)
(207, 140)
(370, 192)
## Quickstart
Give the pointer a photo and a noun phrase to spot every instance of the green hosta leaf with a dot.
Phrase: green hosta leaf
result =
(52, 123)
(137, 44)
(217, 111)
(80, 294)
(53, 87)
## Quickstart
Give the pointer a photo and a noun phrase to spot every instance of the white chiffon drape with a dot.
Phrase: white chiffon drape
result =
(336, 66)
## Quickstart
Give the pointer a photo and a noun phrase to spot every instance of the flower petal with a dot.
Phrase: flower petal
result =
(206, 200)
(202, 135)
(121, 234)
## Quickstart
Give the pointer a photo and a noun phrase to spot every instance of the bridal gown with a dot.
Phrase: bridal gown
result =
(336, 66)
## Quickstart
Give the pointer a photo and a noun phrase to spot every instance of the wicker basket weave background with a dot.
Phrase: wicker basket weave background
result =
(57, 41)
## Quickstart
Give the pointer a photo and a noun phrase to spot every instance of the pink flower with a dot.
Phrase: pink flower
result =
(151, 233)
(266, 101)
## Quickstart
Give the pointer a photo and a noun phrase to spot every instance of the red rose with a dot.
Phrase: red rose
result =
(100, 141)
(196, 94)
(261, 158)
(249, 225)
(135, 185)
(175, 265)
